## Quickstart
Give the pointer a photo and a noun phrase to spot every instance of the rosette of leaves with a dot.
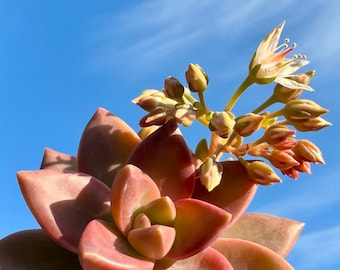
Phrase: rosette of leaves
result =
(128, 203)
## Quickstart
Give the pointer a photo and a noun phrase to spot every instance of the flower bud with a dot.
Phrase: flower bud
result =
(262, 173)
(173, 88)
(300, 110)
(222, 123)
(283, 159)
(312, 124)
(210, 173)
(247, 124)
(185, 114)
(196, 78)
(156, 117)
(308, 151)
(284, 94)
(202, 150)
(276, 134)
(151, 99)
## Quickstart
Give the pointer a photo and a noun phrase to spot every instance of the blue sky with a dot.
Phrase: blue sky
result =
(60, 60)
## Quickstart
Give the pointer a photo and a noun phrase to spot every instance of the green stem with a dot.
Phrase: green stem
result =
(265, 104)
(202, 103)
(244, 85)
(274, 114)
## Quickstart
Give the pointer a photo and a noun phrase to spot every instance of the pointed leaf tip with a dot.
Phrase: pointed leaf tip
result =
(64, 202)
(105, 145)
(165, 156)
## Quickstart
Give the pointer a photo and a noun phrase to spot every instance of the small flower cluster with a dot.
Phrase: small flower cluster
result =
(278, 144)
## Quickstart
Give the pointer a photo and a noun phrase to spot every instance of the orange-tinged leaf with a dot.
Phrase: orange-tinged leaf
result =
(233, 194)
(105, 145)
(246, 255)
(131, 190)
(278, 234)
(103, 247)
(197, 225)
(207, 259)
(153, 242)
(64, 202)
(161, 211)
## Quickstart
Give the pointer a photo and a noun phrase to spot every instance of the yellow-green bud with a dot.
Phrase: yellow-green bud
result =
(300, 110)
(185, 114)
(284, 94)
(210, 173)
(202, 150)
(222, 123)
(247, 124)
(196, 78)
(312, 124)
(262, 173)
(308, 151)
(276, 134)
(173, 88)
(158, 116)
(151, 99)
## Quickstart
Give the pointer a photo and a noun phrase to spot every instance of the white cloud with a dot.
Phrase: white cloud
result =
(317, 250)
(309, 200)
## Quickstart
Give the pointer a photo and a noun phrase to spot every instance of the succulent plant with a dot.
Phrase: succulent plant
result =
(147, 201)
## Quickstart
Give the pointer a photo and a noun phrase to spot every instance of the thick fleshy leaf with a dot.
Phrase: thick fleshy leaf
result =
(33, 249)
(207, 259)
(153, 242)
(103, 247)
(197, 225)
(64, 202)
(131, 190)
(233, 194)
(105, 145)
(278, 234)
(165, 156)
(161, 211)
(246, 255)
(58, 160)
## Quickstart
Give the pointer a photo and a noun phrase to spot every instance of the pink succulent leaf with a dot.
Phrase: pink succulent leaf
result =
(103, 247)
(247, 255)
(64, 202)
(105, 145)
(165, 156)
(153, 242)
(197, 225)
(131, 190)
(278, 234)
(234, 193)
(33, 249)
(57, 160)
(207, 259)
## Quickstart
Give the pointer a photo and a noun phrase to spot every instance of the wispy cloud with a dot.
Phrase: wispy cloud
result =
(317, 250)
(147, 33)
(309, 201)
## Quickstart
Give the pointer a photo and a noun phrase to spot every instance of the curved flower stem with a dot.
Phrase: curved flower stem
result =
(244, 85)
(274, 114)
(202, 102)
(265, 104)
